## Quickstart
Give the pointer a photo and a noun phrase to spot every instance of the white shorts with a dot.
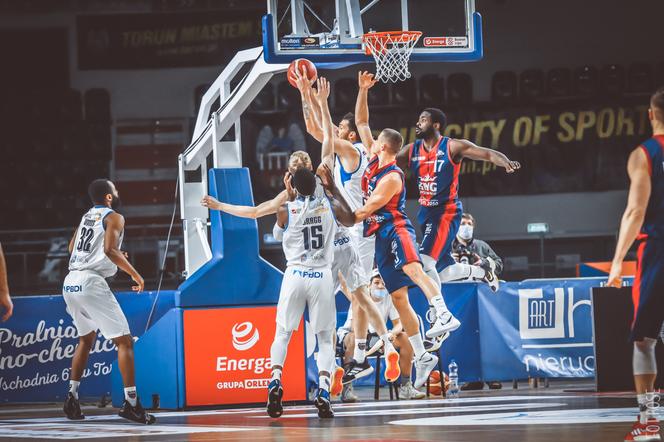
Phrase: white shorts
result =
(366, 247)
(92, 305)
(310, 287)
(347, 261)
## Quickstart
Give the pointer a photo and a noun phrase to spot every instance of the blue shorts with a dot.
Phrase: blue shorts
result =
(395, 247)
(648, 290)
(439, 228)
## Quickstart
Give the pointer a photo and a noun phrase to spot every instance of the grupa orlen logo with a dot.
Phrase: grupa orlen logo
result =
(245, 335)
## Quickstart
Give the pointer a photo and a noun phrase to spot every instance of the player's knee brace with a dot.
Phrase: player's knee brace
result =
(429, 266)
(644, 361)
(325, 359)
(280, 346)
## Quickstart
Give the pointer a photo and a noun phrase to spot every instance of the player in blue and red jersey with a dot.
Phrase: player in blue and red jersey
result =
(436, 162)
(643, 221)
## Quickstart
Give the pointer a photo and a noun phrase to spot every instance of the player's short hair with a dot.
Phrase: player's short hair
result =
(98, 189)
(469, 217)
(657, 103)
(437, 116)
(350, 117)
(304, 181)
(298, 159)
(393, 139)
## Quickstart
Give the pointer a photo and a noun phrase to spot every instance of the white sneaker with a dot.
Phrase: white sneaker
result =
(490, 274)
(424, 365)
(444, 323)
(407, 391)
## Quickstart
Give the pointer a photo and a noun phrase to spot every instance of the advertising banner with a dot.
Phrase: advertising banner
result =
(38, 342)
(227, 356)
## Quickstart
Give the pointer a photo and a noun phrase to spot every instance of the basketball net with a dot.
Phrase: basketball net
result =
(391, 51)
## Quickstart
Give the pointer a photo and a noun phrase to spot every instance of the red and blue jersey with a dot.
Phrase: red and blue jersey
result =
(394, 212)
(653, 223)
(437, 173)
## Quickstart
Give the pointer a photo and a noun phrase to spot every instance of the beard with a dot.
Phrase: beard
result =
(116, 203)
(428, 133)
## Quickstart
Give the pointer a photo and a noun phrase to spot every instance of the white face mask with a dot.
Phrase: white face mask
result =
(466, 232)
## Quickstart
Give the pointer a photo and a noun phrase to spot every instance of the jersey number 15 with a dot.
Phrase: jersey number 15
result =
(313, 237)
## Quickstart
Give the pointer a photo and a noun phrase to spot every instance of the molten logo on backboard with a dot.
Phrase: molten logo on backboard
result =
(245, 336)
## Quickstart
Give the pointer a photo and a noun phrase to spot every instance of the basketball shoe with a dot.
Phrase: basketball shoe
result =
(72, 408)
(274, 394)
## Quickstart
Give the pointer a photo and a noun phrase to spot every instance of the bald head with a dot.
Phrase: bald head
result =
(391, 139)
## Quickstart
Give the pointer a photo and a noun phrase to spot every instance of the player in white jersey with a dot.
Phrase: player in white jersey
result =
(95, 255)
(354, 254)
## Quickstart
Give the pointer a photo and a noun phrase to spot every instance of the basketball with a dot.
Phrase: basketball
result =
(298, 64)
(435, 386)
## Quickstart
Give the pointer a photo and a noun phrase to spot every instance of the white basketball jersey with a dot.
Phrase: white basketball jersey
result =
(309, 238)
(88, 252)
(350, 183)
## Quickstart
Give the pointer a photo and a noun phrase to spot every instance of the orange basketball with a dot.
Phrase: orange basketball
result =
(299, 64)
(435, 386)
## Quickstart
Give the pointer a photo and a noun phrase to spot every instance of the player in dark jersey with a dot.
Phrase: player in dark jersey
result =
(436, 162)
(643, 221)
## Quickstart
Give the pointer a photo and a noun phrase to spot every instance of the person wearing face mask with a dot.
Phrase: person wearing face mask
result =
(474, 259)
(380, 296)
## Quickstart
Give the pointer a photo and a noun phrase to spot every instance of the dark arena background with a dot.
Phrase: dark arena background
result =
(173, 100)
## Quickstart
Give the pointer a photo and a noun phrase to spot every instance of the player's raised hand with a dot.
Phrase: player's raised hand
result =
(303, 82)
(210, 202)
(288, 185)
(366, 80)
(140, 284)
(325, 175)
(322, 90)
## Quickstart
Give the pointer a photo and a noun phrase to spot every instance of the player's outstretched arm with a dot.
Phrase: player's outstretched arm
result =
(403, 157)
(466, 149)
(365, 81)
(387, 187)
(309, 108)
(113, 229)
(265, 208)
(321, 95)
(5, 299)
(635, 212)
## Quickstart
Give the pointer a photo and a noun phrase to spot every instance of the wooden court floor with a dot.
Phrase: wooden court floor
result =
(555, 414)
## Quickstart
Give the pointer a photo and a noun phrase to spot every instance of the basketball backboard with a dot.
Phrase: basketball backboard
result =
(330, 31)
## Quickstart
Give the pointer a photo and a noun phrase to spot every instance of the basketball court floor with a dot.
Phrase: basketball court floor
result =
(563, 412)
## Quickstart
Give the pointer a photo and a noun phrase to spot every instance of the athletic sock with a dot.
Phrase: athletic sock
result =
(389, 347)
(130, 395)
(73, 388)
(276, 374)
(418, 345)
(643, 408)
(324, 382)
(439, 304)
(360, 351)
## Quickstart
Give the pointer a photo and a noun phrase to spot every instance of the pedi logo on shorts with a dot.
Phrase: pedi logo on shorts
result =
(245, 336)
(72, 288)
(308, 273)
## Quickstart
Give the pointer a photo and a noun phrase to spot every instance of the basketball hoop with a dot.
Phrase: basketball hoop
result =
(391, 50)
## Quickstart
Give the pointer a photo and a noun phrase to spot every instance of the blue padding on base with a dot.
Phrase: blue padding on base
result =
(159, 362)
(236, 274)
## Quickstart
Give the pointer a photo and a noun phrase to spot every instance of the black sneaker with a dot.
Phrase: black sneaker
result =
(136, 414)
(72, 408)
(354, 370)
(274, 394)
(322, 402)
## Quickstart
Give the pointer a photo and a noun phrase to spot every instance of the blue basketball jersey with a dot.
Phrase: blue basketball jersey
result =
(653, 224)
(437, 174)
(394, 212)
